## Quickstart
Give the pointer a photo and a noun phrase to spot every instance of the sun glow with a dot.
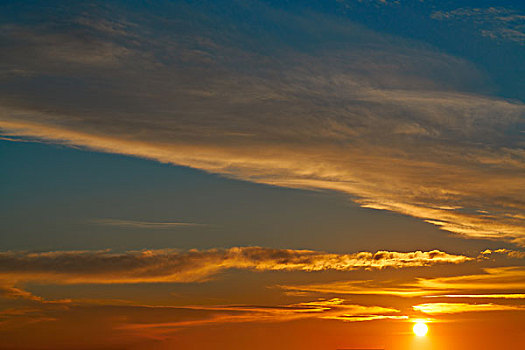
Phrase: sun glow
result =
(420, 329)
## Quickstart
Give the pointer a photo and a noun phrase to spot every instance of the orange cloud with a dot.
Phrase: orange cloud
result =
(501, 278)
(157, 321)
(494, 279)
(508, 252)
(322, 308)
(10, 292)
(190, 266)
(366, 287)
(480, 296)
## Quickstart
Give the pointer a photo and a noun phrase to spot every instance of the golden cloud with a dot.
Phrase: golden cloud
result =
(480, 296)
(454, 308)
(335, 309)
(509, 278)
(63, 267)
(162, 319)
(500, 278)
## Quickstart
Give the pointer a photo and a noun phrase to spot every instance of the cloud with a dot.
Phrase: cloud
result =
(508, 252)
(145, 224)
(499, 279)
(10, 292)
(66, 267)
(454, 308)
(325, 309)
(497, 23)
(10, 139)
(124, 323)
(17, 293)
(330, 111)
(159, 321)
(353, 313)
(480, 296)
(358, 287)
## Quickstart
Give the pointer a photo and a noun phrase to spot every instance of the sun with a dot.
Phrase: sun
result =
(420, 329)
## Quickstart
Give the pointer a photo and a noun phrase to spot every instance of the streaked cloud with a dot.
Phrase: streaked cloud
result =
(145, 224)
(10, 292)
(325, 309)
(509, 279)
(331, 113)
(454, 308)
(16, 293)
(508, 252)
(164, 319)
(18, 139)
(64, 267)
(336, 309)
(480, 296)
(359, 287)
(160, 322)
(501, 278)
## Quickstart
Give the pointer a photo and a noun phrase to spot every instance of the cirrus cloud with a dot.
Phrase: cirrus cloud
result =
(331, 111)
(453, 308)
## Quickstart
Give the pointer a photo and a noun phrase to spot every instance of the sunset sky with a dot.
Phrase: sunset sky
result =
(262, 174)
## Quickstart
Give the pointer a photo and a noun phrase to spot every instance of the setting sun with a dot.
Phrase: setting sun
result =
(420, 329)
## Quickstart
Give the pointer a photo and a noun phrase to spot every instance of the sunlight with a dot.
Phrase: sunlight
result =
(420, 329)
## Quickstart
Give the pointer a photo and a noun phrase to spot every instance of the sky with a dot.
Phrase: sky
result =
(232, 174)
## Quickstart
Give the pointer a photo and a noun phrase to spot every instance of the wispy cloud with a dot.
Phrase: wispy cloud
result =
(138, 321)
(10, 292)
(17, 139)
(501, 278)
(454, 308)
(145, 224)
(325, 309)
(329, 115)
(493, 280)
(480, 296)
(192, 266)
(358, 287)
